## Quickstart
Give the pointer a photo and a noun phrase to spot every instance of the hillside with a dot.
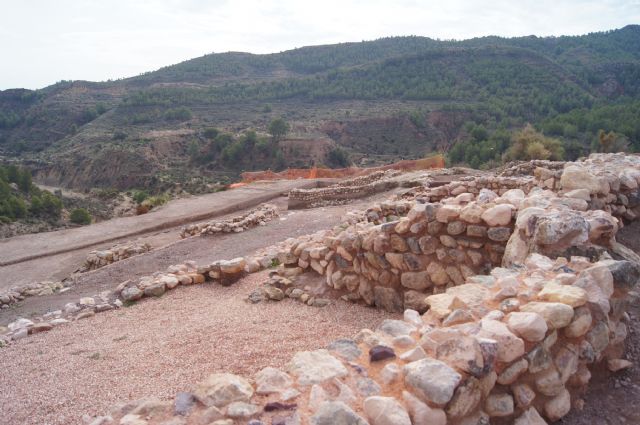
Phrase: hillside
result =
(374, 101)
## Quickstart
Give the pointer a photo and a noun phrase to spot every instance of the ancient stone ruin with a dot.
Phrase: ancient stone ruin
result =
(101, 258)
(257, 217)
(512, 288)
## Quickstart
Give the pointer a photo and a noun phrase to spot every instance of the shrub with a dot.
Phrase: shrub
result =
(139, 196)
(80, 216)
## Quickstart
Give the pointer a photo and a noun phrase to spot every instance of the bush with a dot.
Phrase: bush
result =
(80, 216)
(139, 196)
(338, 158)
(529, 144)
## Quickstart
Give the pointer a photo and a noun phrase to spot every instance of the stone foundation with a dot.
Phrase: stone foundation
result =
(344, 191)
(256, 217)
(97, 259)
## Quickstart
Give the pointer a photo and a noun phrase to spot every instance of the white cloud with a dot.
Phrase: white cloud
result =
(43, 41)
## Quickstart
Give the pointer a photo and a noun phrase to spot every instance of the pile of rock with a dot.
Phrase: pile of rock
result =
(101, 258)
(19, 293)
(515, 346)
(224, 272)
(259, 216)
(277, 288)
(83, 308)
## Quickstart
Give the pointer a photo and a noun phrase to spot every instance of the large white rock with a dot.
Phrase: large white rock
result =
(557, 315)
(530, 326)
(500, 215)
(385, 411)
(314, 367)
(577, 177)
(431, 380)
(271, 380)
(510, 347)
(221, 389)
(421, 413)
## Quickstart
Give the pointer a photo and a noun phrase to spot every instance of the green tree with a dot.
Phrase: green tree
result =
(278, 129)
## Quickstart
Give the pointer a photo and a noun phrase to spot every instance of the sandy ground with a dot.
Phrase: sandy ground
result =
(161, 346)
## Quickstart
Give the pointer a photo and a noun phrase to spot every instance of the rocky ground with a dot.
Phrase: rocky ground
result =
(161, 346)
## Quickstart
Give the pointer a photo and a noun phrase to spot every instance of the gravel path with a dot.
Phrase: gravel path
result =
(161, 346)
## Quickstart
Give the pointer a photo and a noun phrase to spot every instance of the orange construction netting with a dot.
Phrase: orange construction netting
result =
(432, 162)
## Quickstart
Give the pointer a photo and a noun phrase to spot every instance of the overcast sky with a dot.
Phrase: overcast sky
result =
(44, 41)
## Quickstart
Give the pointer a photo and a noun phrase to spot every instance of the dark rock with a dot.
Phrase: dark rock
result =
(412, 261)
(625, 274)
(276, 405)
(381, 352)
(183, 403)
(256, 296)
(387, 299)
(341, 262)
(499, 234)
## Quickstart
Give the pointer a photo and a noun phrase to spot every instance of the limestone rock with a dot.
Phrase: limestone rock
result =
(385, 411)
(566, 294)
(510, 347)
(577, 177)
(557, 315)
(396, 327)
(271, 380)
(499, 215)
(220, 389)
(314, 367)
(530, 326)
(431, 380)
(336, 413)
(346, 348)
(421, 413)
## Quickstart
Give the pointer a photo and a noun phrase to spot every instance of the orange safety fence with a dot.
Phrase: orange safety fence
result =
(432, 162)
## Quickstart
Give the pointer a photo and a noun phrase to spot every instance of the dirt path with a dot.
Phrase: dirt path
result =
(176, 213)
(199, 249)
(161, 346)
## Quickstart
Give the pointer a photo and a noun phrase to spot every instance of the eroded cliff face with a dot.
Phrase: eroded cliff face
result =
(113, 169)
(397, 135)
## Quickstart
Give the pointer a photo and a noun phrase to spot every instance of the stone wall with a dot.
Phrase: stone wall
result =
(259, 216)
(358, 187)
(101, 258)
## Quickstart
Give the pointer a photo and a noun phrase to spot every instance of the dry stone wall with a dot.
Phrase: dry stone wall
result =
(358, 187)
(259, 216)
(101, 258)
